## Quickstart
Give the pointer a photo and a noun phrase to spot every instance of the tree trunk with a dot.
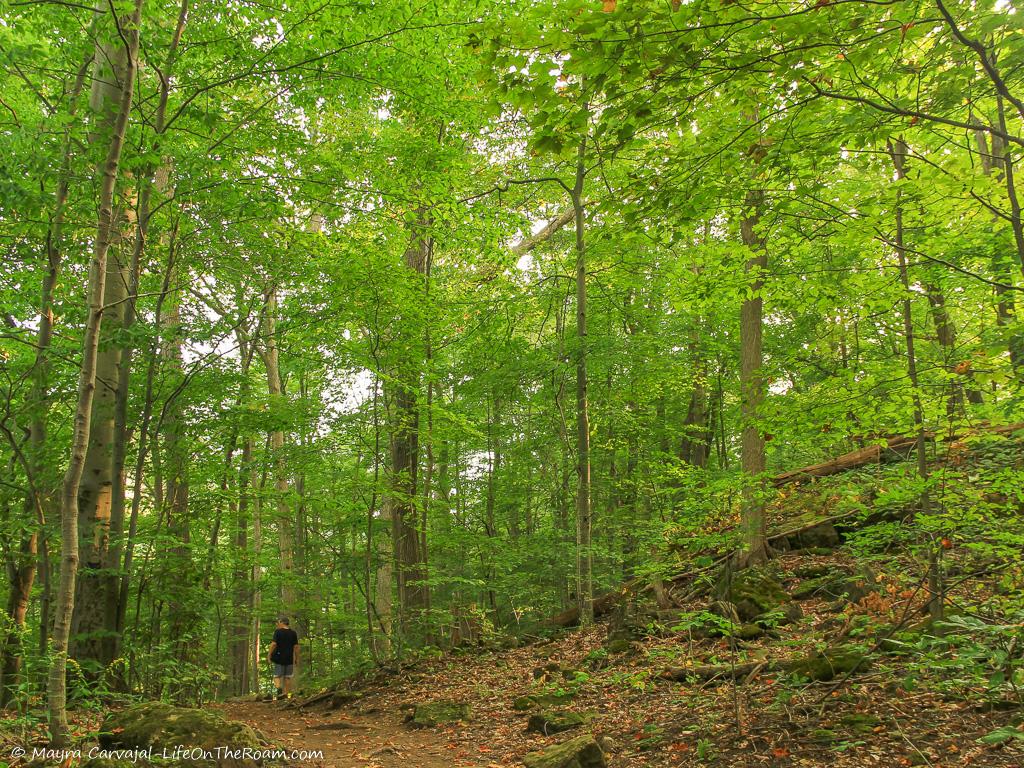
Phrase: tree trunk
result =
(752, 386)
(41, 480)
(56, 688)
(994, 160)
(285, 518)
(584, 556)
(898, 152)
(409, 565)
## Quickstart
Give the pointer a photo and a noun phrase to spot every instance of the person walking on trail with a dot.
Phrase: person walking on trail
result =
(284, 655)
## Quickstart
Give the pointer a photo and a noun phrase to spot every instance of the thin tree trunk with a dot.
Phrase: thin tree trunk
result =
(898, 152)
(584, 556)
(752, 386)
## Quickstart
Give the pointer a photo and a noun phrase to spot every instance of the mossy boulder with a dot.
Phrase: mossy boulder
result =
(830, 664)
(163, 727)
(812, 570)
(581, 752)
(828, 585)
(439, 713)
(619, 645)
(541, 700)
(748, 631)
(755, 592)
(555, 721)
(554, 671)
(821, 536)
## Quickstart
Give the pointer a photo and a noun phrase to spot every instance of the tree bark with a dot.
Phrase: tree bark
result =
(752, 385)
(409, 565)
(898, 152)
(286, 520)
(584, 556)
(56, 688)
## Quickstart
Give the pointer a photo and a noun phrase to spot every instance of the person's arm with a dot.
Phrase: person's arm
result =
(295, 651)
(270, 653)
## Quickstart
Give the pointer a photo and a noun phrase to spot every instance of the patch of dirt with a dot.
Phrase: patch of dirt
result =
(346, 740)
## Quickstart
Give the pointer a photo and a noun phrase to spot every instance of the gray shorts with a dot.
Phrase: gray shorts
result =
(284, 670)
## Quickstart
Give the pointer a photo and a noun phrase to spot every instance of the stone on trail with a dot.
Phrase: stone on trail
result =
(163, 727)
(343, 698)
(556, 721)
(581, 752)
(438, 713)
(539, 700)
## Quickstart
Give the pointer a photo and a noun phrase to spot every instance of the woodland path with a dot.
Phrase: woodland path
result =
(372, 740)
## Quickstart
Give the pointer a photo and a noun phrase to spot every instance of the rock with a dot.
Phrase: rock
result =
(820, 551)
(344, 698)
(754, 592)
(619, 646)
(164, 727)
(822, 536)
(812, 570)
(830, 664)
(540, 700)
(792, 613)
(522, 703)
(860, 722)
(438, 713)
(550, 723)
(748, 631)
(581, 752)
(554, 671)
(621, 634)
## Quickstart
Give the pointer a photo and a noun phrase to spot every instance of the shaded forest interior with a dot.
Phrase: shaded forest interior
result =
(460, 324)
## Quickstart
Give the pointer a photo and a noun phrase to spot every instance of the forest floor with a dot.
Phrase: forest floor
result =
(346, 740)
(920, 697)
(867, 721)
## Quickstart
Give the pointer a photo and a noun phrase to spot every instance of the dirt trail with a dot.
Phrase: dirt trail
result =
(377, 740)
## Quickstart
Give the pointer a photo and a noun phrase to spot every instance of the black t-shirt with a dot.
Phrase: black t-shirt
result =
(284, 651)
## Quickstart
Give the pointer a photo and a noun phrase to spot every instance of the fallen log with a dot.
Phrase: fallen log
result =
(878, 453)
(871, 454)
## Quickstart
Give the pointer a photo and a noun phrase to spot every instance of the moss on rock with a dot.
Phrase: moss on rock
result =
(540, 700)
(163, 727)
(440, 713)
(754, 592)
(748, 631)
(581, 752)
(830, 584)
(557, 721)
(619, 645)
(830, 664)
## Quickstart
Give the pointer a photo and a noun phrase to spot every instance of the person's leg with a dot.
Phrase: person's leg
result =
(289, 674)
(278, 680)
